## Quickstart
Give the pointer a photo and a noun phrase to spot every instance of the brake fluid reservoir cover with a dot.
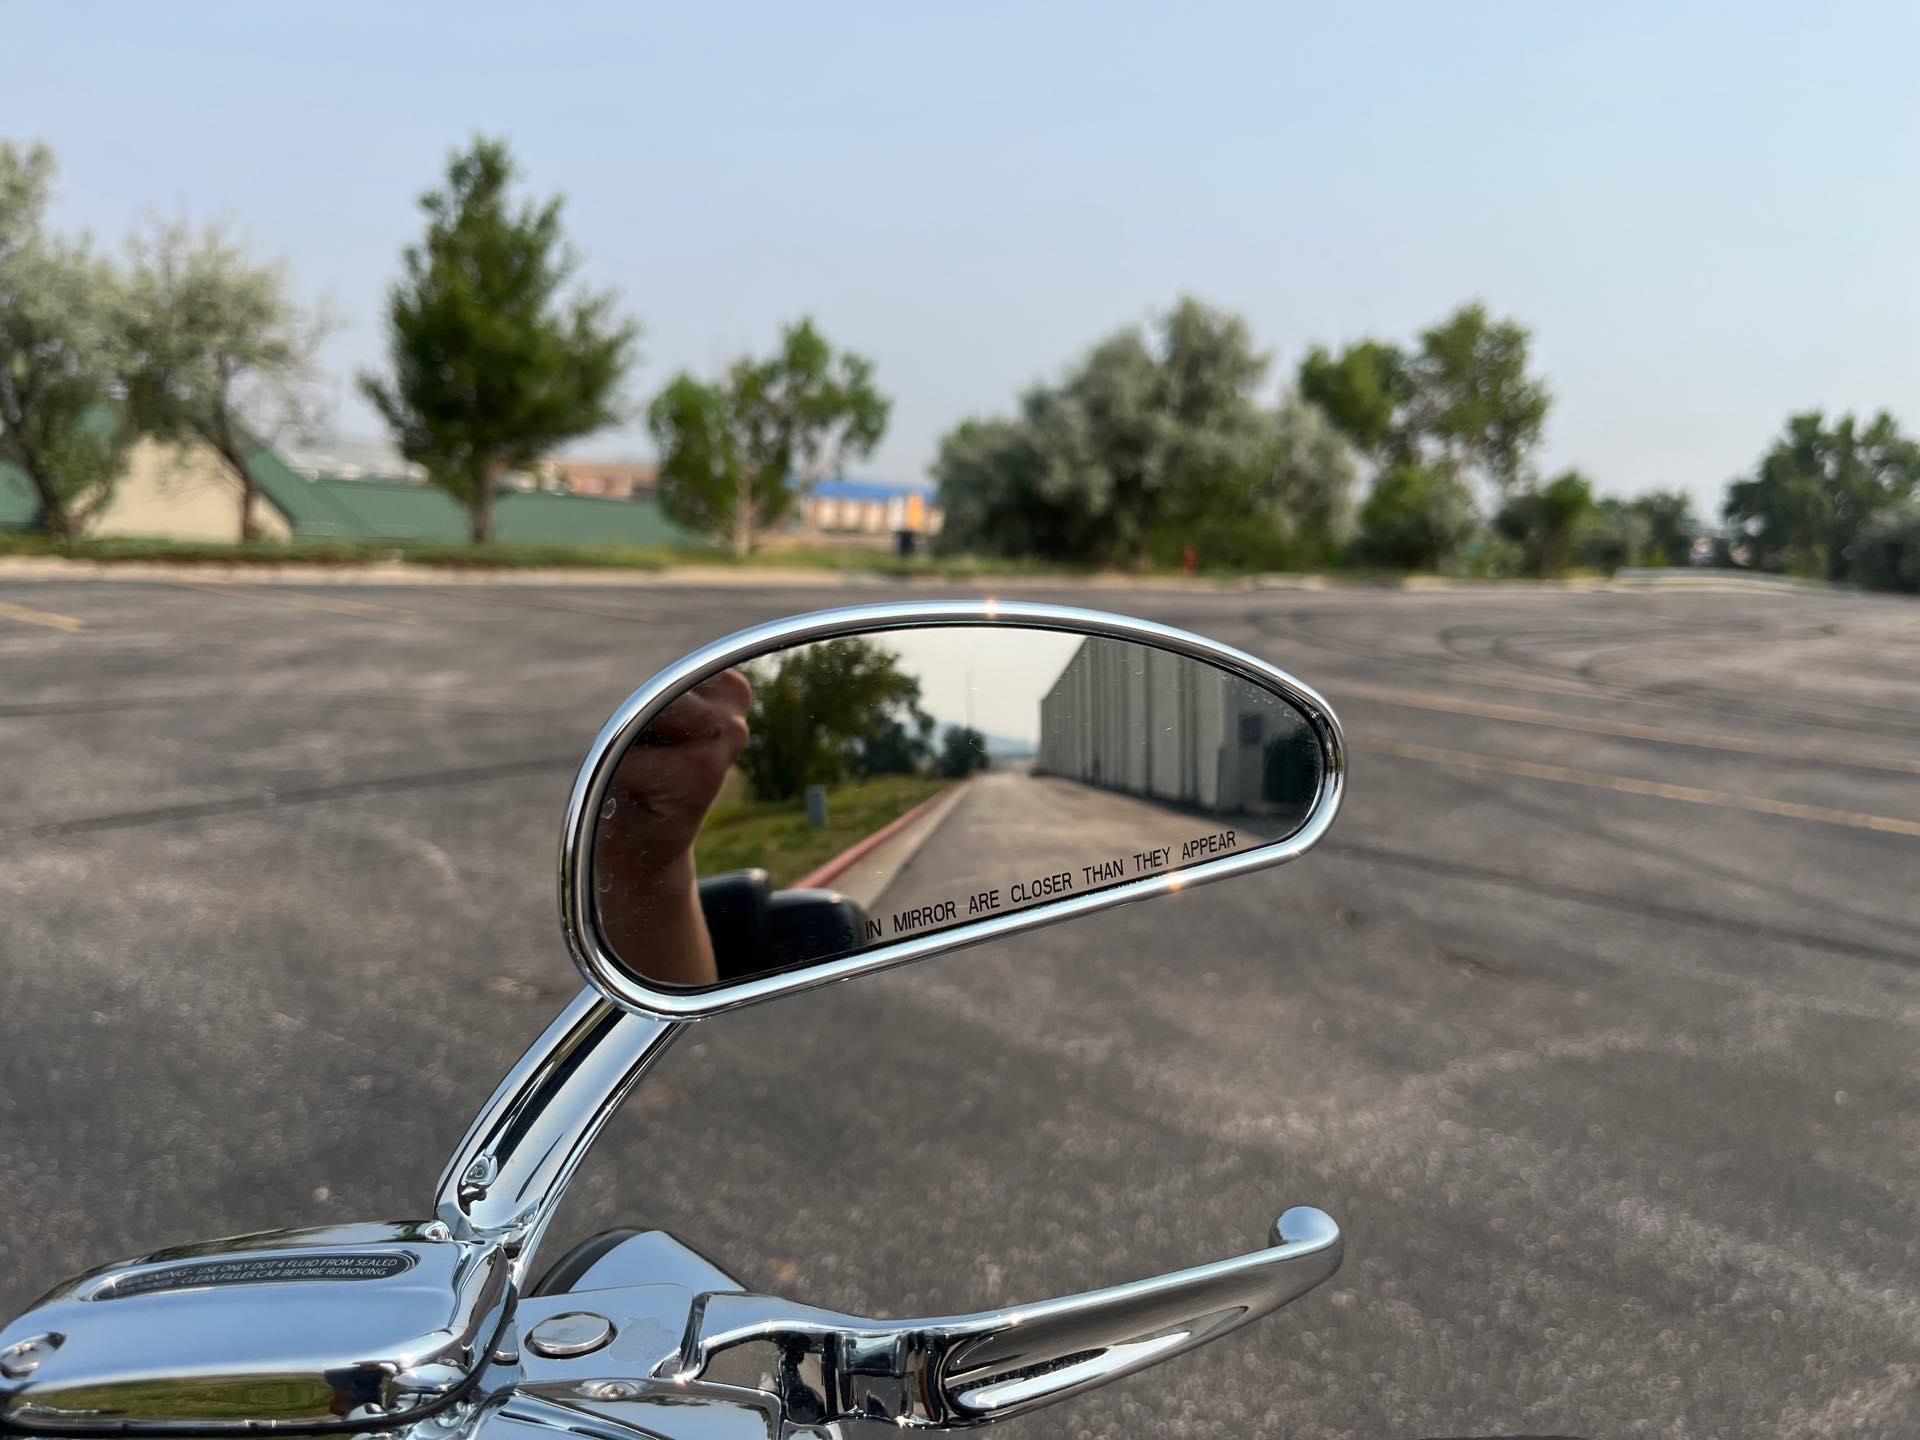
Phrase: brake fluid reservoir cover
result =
(350, 1327)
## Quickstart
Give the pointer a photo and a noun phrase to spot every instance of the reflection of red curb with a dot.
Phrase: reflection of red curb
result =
(836, 867)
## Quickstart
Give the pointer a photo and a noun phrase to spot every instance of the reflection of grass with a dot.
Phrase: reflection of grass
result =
(775, 835)
(179, 1402)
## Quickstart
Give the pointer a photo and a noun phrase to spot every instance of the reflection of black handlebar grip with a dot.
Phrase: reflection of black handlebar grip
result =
(807, 926)
(736, 906)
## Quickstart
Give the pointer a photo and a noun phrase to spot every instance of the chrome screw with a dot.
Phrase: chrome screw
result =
(482, 1172)
(610, 1390)
(20, 1360)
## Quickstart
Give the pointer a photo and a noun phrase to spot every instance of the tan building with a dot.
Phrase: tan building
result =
(1147, 722)
(607, 479)
(184, 493)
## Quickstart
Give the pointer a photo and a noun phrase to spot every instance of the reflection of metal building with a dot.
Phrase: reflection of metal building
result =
(1148, 722)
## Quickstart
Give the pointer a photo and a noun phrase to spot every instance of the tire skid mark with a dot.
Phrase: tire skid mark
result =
(1651, 789)
(302, 795)
(1625, 729)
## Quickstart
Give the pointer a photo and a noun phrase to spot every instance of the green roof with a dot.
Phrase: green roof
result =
(396, 510)
(399, 510)
(19, 506)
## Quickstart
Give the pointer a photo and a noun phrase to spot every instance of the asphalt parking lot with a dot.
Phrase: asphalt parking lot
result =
(1593, 1023)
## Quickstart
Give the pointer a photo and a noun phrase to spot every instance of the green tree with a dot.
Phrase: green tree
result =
(493, 366)
(63, 355)
(26, 178)
(1417, 517)
(1547, 521)
(815, 707)
(1310, 479)
(1463, 398)
(1656, 528)
(1000, 496)
(1363, 391)
(1473, 398)
(1887, 554)
(1108, 464)
(1618, 536)
(1670, 524)
(1200, 424)
(1293, 507)
(1815, 490)
(735, 454)
(223, 354)
(897, 744)
(963, 751)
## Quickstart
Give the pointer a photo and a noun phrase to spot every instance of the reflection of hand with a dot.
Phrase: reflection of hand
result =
(655, 804)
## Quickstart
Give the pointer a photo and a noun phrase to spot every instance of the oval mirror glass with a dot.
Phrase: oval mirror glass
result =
(852, 794)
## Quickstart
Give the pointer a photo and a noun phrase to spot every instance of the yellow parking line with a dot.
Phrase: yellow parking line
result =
(26, 615)
(331, 604)
(1657, 789)
(1628, 729)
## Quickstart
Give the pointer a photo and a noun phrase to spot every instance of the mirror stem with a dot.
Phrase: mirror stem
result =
(507, 1176)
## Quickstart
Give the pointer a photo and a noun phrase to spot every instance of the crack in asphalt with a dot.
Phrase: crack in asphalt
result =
(1654, 909)
(301, 795)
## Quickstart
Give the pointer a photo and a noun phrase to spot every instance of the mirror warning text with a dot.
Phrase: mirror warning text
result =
(1156, 859)
(923, 915)
(1215, 844)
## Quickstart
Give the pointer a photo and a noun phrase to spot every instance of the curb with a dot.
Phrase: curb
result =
(1710, 578)
(823, 876)
(798, 577)
(767, 577)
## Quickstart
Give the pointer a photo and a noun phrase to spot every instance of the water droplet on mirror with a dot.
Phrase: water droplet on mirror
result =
(607, 807)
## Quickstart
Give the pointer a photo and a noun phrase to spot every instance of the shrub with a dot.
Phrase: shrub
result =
(1416, 518)
(1887, 554)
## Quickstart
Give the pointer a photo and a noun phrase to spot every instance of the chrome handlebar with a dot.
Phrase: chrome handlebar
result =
(647, 1336)
(823, 1368)
(638, 1351)
(967, 1370)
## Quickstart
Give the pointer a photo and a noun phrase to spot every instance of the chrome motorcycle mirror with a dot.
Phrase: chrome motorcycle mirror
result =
(799, 804)
(840, 793)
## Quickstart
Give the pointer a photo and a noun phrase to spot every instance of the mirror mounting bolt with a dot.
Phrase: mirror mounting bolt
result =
(478, 1177)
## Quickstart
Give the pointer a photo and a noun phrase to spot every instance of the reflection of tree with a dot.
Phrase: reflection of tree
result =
(896, 746)
(1290, 774)
(821, 712)
(963, 750)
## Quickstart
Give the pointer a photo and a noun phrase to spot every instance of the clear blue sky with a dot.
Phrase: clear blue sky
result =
(1709, 215)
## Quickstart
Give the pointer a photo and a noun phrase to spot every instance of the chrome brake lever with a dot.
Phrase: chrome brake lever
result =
(966, 1370)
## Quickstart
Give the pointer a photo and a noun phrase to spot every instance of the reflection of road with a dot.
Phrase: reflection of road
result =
(1016, 839)
(867, 877)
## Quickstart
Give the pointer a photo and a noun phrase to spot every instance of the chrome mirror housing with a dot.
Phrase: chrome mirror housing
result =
(1094, 760)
